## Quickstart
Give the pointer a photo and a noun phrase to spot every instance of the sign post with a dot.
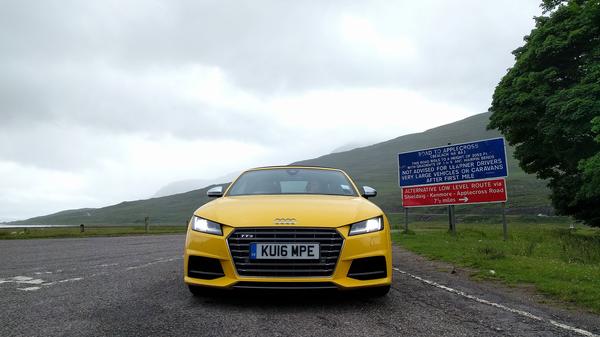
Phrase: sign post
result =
(451, 217)
(504, 226)
(406, 220)
(450, 225)
(456, 174)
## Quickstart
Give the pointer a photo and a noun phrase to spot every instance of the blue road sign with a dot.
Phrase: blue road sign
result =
(482, 159)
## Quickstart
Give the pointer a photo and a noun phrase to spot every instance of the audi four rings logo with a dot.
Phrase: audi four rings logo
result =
(284, 221)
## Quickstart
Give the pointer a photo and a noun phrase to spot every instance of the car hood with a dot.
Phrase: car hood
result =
(308, 210)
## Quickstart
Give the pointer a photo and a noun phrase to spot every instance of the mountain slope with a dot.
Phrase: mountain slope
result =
(183, 186)
(377, 166)
(173, 210)
(373, 165)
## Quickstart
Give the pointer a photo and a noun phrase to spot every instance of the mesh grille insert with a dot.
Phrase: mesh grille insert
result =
(329, 240)
(204, 268)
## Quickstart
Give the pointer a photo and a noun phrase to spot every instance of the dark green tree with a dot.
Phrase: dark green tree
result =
(591, 169)
(548, 105)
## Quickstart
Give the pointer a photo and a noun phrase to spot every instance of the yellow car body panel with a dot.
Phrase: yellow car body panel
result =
(310, 211)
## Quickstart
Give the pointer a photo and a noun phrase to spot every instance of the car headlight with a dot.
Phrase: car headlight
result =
(206, 226)
(367, 226)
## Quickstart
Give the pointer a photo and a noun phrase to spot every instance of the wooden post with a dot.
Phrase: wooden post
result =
(504, 225)
(81, 228)
(147, 223)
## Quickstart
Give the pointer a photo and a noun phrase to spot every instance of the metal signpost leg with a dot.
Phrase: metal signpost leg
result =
(453, 219)
(450, 224)
(504, 225)
(405, 220)
(450, 219)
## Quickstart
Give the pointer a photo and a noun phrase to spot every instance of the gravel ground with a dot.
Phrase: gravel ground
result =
(132, 286)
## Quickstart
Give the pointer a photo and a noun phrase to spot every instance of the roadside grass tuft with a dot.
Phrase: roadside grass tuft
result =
(579, 248)
(560, 262)
(491, 253)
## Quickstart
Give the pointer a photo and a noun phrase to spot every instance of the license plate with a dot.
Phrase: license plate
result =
(298, 251)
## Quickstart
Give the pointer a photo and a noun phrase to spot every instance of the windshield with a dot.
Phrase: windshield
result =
(292, 181)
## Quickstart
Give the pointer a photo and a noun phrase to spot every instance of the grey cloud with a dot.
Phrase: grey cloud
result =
(56, 146)
(273, 46)
(78, 79)
(86, 63)
(116, 101)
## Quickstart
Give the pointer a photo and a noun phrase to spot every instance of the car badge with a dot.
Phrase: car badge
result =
(284, 221)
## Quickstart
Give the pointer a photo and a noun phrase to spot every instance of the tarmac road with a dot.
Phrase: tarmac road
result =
(132, 286)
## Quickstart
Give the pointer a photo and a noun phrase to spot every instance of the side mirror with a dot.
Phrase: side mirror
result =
(215, 192)
(369, 192)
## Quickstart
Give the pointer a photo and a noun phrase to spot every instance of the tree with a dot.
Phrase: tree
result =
(548, 105)
(590, 169)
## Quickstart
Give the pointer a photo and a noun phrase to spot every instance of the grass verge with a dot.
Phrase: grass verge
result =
(74, 232)
(561, 262)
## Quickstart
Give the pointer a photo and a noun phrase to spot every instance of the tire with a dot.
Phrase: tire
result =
(376, 292)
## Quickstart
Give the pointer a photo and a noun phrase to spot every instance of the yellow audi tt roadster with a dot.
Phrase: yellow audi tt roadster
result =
(289, 227)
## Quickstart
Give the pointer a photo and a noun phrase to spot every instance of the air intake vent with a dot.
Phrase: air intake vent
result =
(368, 268)
(204, 268)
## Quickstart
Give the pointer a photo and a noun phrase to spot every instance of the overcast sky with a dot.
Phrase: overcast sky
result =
(105, 101)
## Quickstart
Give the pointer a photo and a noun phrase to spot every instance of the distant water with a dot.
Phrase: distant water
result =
(32, 226)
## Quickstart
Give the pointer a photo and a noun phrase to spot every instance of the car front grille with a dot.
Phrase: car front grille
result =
(329, 240)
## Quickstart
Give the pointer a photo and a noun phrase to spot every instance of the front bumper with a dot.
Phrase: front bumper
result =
(377, 244)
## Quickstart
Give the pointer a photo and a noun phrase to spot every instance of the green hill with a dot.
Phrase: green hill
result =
(377, 166)
(174, 209)
(373, 165)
